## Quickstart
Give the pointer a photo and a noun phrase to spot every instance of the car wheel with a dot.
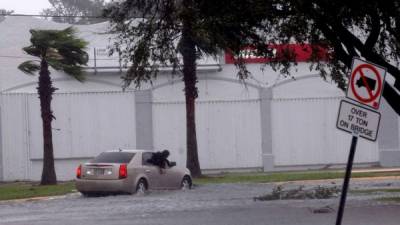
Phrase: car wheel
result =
(141, 187)
(186, 183)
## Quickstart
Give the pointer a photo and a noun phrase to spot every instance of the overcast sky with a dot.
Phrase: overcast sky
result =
(25, 6)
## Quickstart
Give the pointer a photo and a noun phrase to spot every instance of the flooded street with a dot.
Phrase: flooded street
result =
(205, 204)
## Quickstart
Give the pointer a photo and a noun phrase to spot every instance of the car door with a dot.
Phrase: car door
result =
(152, 172)
(170, 178)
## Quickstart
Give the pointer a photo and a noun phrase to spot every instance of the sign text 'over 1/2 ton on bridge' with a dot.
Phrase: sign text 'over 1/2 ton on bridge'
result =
(353, 118)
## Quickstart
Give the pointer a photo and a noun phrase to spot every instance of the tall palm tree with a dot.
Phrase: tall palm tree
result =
(63, 51)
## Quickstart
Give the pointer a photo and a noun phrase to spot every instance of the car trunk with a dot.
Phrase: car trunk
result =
(107, 166)
(100, 171)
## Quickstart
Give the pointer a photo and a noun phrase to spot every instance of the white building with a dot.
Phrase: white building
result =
(271, 123)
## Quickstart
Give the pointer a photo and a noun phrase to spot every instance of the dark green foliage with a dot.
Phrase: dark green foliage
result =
(149, 32)
(29, 67)
(60, 49)
(366, 28)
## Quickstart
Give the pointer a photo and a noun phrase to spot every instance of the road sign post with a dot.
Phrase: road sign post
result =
(365, 87)
(346, 179)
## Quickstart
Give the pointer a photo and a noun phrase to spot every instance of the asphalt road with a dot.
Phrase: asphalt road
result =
(224, 204)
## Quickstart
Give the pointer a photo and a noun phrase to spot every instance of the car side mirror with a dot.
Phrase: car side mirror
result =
(172, 164)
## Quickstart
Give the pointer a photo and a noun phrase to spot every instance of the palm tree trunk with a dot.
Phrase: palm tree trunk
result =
(188, 51)
(45, 91)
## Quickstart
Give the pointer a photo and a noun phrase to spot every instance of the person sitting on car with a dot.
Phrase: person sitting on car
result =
(160, 159)
(164, 159)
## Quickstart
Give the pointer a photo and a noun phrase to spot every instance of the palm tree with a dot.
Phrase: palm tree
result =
(63, 51)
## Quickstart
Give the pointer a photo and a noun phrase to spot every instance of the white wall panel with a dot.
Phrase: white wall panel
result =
(169, 130)
(86, 124)
(227, 120)
(229, 134)
(15, 142)
(304, 133)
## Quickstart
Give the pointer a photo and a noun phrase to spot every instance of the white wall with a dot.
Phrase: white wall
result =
(304, 129)
(86, 124)
(227, 121)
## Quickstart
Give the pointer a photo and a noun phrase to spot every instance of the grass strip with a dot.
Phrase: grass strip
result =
(389, 199)
(21, 190)
(372, 191)
(284, 176)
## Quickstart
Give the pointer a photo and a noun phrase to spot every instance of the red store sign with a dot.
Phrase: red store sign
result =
(302, 53)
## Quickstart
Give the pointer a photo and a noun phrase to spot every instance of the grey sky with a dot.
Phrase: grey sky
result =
(25, 6)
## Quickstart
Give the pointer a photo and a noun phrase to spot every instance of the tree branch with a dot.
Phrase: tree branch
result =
(338, 48)
(391, 95)
(375, 31)
(368, 54)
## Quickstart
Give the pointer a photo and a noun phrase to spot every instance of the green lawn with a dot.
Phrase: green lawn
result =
(284, 176)
(390, 199)
(380, 190)
(372, 191)
(20, 190)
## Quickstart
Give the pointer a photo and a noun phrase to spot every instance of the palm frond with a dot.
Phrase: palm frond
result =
(61, 49)
(32, 50)
(73, 70)
(71, 48)
(29, 67)
(76, 72)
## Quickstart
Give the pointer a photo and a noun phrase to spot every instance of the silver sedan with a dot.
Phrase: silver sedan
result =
(128, 171)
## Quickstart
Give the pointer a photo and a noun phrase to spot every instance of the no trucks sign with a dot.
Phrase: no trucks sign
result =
(366, 83)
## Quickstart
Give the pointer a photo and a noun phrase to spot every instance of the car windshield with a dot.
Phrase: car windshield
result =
(113, 157)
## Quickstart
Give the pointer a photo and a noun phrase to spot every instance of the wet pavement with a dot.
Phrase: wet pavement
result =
(220, 204)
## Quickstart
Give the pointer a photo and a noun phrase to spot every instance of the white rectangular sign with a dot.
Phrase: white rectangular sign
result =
(353, 118)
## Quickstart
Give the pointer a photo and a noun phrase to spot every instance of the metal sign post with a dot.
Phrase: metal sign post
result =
(347, 179)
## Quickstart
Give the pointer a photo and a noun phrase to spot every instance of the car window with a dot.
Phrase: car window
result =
(145, 157)
(114, 157)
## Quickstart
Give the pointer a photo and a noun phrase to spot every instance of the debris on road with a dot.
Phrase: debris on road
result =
(324, 209)
(319, 192)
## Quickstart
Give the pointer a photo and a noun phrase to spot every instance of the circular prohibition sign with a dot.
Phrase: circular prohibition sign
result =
(371, 96)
